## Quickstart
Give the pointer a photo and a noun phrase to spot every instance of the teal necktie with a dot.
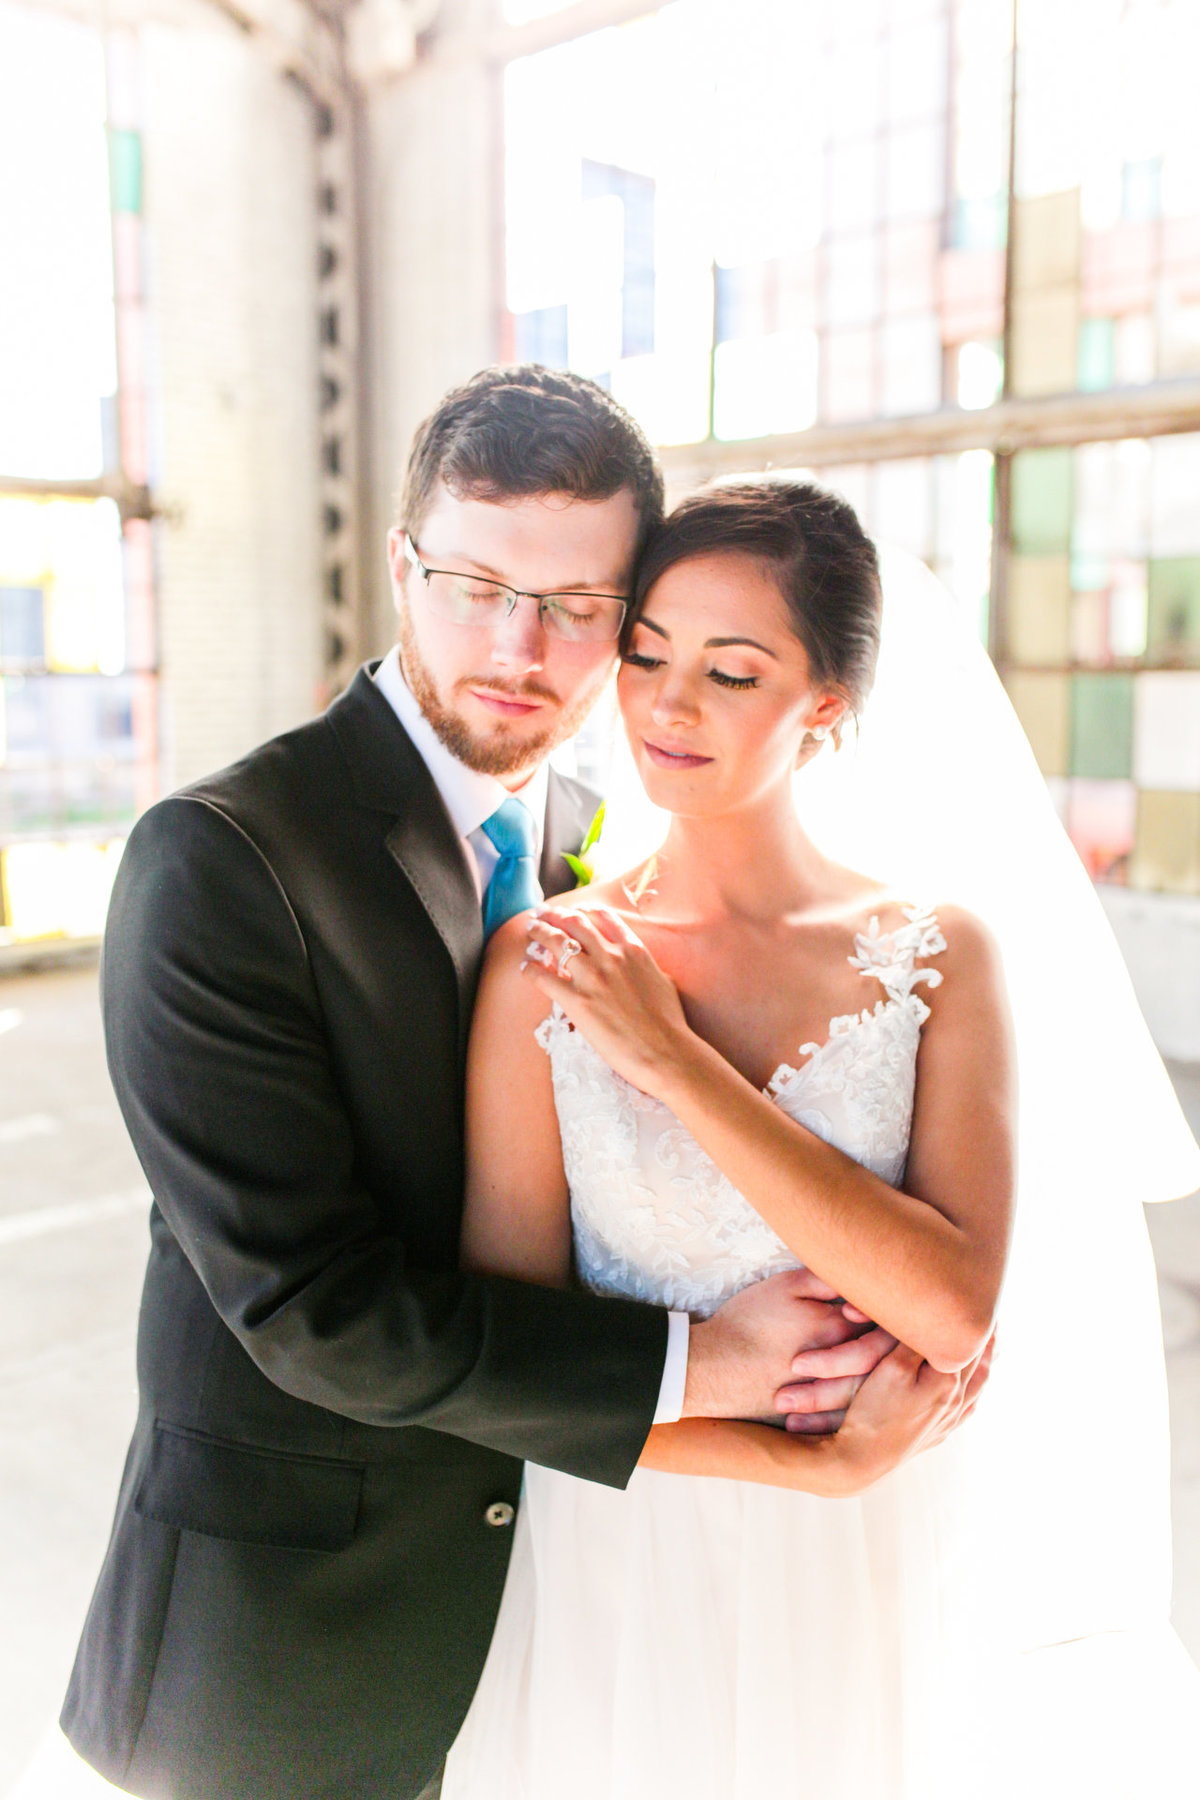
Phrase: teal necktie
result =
(514, 884)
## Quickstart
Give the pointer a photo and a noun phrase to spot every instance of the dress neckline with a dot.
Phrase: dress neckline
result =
(888, 956)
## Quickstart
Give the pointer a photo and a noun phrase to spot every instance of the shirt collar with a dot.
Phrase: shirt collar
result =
(469, 796)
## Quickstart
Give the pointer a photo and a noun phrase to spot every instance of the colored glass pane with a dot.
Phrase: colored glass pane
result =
(1043, 705)
(848, 375)
(1102, 726)
(22, 627)
(979, 375)
(1041, 501)
(1089, 626)
(1039, 602)
(765, 384)
(910, 366)
(1101, 817)
(541, 336)
(125, 170)
(1166, 730)
(57, 353)
(1166, 856)
(902, 506)
(1174, 609)
(1174, 492)
(1141, 189)
(1096, 354)
(1110, 494)
(1128, 615)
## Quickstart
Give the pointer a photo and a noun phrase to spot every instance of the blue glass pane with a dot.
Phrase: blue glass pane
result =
(541, 336)
(22, 627)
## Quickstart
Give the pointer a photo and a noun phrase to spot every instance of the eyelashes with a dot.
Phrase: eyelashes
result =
(717, 675)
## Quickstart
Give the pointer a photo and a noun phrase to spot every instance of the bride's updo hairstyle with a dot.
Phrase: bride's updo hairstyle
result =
(810, 544)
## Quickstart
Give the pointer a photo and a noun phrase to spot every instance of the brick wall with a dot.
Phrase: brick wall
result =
(229, 215)
(432, 154)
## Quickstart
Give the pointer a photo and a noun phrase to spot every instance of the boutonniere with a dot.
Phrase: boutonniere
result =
(581, 865)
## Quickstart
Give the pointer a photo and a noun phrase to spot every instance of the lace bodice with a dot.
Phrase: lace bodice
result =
(653, 1217)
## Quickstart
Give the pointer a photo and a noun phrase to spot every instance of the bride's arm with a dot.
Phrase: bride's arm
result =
(516, 1216)
(516, 1223)
(926, 1262)
(905, 1406)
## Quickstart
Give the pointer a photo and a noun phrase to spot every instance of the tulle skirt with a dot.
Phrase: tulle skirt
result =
(733, 1642)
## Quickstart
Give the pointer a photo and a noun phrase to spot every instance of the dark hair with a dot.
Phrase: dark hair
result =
(521, 430)
(812, 545)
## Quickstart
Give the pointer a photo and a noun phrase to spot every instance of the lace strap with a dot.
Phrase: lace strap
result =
(890, 956)
(552, 1027)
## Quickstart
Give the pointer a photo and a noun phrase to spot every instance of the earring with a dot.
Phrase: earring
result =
(820, 732)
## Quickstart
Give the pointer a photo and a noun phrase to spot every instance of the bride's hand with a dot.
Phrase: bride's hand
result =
(904, 1406)
(610, 987)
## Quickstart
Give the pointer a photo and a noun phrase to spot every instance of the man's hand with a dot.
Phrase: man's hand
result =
(903, 1407)
(826, 1381)
(739, 1357)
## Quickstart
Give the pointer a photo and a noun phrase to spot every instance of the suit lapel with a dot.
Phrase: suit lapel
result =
(431, 856)
(570, 809)
(389, 777)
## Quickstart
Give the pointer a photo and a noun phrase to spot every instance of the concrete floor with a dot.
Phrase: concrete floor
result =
(72, 1250)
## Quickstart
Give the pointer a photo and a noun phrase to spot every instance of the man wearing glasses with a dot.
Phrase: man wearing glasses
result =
(314, 1523)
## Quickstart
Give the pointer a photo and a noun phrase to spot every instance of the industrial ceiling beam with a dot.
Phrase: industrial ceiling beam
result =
(1159, 409)
(504, 43)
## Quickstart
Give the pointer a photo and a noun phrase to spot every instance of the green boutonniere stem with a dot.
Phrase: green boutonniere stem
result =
(581, 866)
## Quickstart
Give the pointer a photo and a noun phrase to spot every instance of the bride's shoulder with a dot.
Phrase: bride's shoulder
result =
(956, 938)
(619, 895)
(964, 951)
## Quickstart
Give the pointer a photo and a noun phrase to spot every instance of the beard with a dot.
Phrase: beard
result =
(494, 752)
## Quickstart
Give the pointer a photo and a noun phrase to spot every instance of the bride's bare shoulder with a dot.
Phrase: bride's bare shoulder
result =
(620, 894)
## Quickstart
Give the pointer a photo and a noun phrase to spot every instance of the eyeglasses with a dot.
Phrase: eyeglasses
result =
(474, 600)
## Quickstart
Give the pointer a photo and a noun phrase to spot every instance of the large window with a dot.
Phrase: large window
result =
(78, 739)
(779, 217)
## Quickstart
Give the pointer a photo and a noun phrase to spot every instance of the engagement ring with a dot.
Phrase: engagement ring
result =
(569, 949)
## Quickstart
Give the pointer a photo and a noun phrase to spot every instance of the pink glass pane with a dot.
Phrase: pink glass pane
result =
(1102, 820)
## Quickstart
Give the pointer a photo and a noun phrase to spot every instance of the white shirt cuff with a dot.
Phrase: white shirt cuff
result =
(674, 1379)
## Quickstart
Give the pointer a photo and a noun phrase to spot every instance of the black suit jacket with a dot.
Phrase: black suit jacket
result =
(305, 1565)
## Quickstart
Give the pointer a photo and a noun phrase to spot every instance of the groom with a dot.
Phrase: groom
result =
(317, 1507)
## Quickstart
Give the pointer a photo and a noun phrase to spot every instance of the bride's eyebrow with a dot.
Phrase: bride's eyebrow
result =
(749, 643)
(716, 643)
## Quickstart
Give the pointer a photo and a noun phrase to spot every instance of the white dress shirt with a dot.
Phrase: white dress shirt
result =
(470, 798)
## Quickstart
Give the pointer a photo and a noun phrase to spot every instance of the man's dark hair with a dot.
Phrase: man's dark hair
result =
(521, 430)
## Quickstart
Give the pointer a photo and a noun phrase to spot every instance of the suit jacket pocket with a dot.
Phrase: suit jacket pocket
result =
(229, 1490)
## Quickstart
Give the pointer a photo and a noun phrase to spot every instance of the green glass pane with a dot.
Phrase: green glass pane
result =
(1089, 573)
(1174, 623)
(1102, 726)
(1041, 502)
(125, 165)
(1096, 354)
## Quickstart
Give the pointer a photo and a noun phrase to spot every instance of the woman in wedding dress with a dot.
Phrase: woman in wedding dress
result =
(739, 1057)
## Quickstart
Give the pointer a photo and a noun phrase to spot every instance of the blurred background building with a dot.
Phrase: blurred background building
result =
(945, 253)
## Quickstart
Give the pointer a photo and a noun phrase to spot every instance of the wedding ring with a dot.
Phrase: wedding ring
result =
(570, 948)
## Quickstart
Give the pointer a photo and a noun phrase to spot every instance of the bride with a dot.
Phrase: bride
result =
(738, 1057)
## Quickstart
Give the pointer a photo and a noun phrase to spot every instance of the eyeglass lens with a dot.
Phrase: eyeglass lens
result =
(578, 617)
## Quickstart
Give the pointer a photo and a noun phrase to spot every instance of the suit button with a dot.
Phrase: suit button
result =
(500, 1513)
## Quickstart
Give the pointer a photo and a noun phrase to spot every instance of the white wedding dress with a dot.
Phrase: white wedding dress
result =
(726, 1641)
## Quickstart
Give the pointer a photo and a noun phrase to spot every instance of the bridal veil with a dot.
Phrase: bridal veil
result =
(1059, 1486)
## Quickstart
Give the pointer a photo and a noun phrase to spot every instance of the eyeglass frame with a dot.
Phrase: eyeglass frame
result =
(413, 556)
